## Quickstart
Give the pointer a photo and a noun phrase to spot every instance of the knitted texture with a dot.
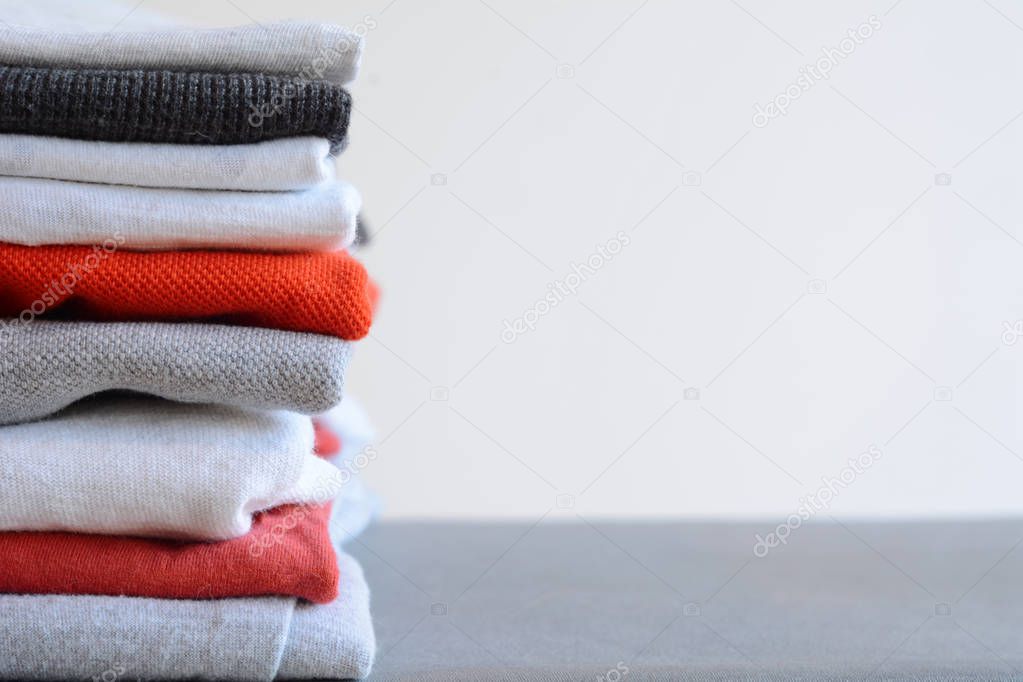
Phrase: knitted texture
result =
(169, 106)
(299, 561)
(47, 365)
(36, 212)
(147, 467)
(322, 293)
(287, 164)
(61, 33)
(47, 637)
(288, 552)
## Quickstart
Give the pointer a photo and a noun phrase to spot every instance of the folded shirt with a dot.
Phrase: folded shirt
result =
(184, 107)
(38, 212)
(61, 33)
(321, 293)
(152, 468)
(47, 365)
(256, 638)
(287, 164)
(287, 553)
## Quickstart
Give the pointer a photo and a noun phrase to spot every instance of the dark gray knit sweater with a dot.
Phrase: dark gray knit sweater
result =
(166, 106)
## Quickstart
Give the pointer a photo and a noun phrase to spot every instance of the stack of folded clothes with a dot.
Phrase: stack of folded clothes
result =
(178, 297)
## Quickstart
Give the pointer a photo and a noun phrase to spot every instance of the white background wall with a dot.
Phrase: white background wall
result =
(555, 125)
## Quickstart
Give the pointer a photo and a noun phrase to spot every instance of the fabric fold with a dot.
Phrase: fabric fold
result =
(320, 293)
(46, 366)
(39, 212)
(151, 468)
(170, 106)
(284, 165)
(335, 640)
(263, 638)
(329, 51)
(286, 553)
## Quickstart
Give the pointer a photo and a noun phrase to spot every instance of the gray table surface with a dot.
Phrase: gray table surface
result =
(593, 600)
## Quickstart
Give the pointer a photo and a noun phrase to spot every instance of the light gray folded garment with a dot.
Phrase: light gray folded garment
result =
(44, 637)
(47, 365)
(93, 35)
(37, 212)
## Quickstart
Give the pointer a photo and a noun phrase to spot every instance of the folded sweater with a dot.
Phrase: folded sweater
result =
(287, 164)
(287, 552)
(322, 293)
(85, 39)
(36, 212)
(148, 467)
(47, 365)
(169, 106)
(257, 638)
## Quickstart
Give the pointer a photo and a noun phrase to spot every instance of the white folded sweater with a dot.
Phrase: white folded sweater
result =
(90, 34)
(36, 212)
(287, 164)
(138, 466)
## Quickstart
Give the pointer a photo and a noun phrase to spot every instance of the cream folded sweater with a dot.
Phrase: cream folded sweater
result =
(129, 638)
(287, 164)
(148, 467)
(47, 365)
(91, 34)
(37, 212)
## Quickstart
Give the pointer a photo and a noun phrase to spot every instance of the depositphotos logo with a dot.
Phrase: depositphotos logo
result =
(816, 502)
(569, 285)
(811, 74)
(62, 287)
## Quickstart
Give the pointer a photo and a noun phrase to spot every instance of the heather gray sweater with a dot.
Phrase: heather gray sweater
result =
(47, 365)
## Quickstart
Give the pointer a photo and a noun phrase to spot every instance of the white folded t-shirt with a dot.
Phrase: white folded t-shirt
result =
(284, 165)
(38, 212)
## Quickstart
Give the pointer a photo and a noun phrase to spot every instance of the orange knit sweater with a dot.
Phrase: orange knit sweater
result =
(323, 293)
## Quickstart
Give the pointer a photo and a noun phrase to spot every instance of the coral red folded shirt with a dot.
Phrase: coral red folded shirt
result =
(288, 552)
(322, 293)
